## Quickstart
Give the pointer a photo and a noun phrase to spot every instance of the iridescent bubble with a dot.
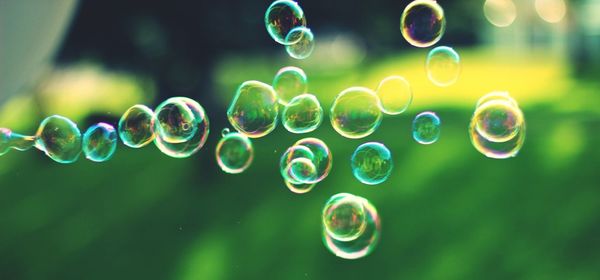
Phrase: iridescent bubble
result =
(322, 156)
(99, 142)
(136, 126)
(254, 110)
(292, 153)
(372, 163)
(355, 112)
(234, 153)
(423, 23)
(426, 128)
(301, 171)
(303, 114)
(288, 83)
(174, 121)
(501, 13)
(196, 141)
(351, 245)
(59, 138)
(304, 42)
(395, 95)
(299, 188)
(443, 66)
(10, 140)
(281, 17)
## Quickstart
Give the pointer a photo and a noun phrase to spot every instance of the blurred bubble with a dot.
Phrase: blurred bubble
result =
(500, 13)
(99, 142)
(59, 138)
(288, 83)
(174, 121)
(395, 95)
(303, 114)
(254, 110)
(551, 11)
(372, 163)
(355, 112)
(225, 131)
(304, 43)
(281, 17)
(234, 153)
(426, 128)
(10, 140)
(443, 66)
(423, 23)
(136, 126)
(301, 171)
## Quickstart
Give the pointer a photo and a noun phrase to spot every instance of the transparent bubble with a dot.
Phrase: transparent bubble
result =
(322, 156)
(395, 95)
(343, 241)
(372, 163)
(225, 131)
(174, 121)
(299, 188)
(288, 83)
(355, 112)
(301, 171)
(304, 164)
(501, 13)
(196, 141)
(303, 114)
(426, 128)
(551, 11)
(292, 153)
(234, 153)
(99, 142)
(443, 66)
(254, 110)
(423, 23)
(59, 138)
(304, 43)
(136, 126)
(10, 140)
(281, 17)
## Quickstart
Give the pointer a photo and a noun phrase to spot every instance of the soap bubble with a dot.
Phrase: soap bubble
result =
(292, 153)
(304, 164)
(174, 121)
(501, 13)
(234, 153)
(426, 128)
(355, 112)
(551, 11)
(372, 163)
(136, 126)
(59, 138)
(304, 42)
(303, 114)
(281, 17)
(344, 217)
(423, 23)
(288, 83)
(10, 140)
(100, 142)
(322, 156)
(443, 66)
(301, 171)
(395, 95)
(254, 110)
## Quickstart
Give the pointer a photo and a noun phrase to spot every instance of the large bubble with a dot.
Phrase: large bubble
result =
(423, 23)
(395, 95)
(59, 138)
(174, 121)
(303, 114)
(426, 128)
(372, 163)
(99, 142)
(234, 153)
(136, 126)
(254, 110)
(304, 42)
(355, 112)
(288, 83)
(281, 17)
(443, 66)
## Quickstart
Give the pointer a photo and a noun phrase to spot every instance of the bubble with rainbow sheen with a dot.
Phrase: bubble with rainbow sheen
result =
(500, 13)
(301, 171)
(351, 226)
(136, 126)
(304, 164)
(304, 43)
(59, 138)
(292, 153)
(196, 141)
(174, 121)
(355, 112)
(303, 114)
(372, 163)
(443, 66)
(288, 83)
(322, 157)
(426, 128)
(395, 95)
(11, 140)
(281, 17)
(254, 111)
(234, 152)
(423, 23)
(99, 142)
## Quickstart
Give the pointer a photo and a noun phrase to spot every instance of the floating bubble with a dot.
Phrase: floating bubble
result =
(304, 42)
(100, 142)
(426, 128)
(322, 156)
(372, 163)
(355, 112)
(551, 11)
(10, 140)
(299, 188)
(196, 141)
(395, 95)
(234, 153)
(254, 110)
(304, 164)
(423, 23)
(59, 138)
(443, 66)
(343, 232)
(501, 13)
(136, 126)
(288, 83)
(292, 153)
(303, 114)
(225, 131)
(174, 121)
(301, 171)
(281, 17)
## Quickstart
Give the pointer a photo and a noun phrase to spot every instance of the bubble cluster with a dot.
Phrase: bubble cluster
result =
(303, 114)
(500, 13)
(281, 17)
(395, 95)
(497, 127)
(304, 164)
(254, 111)
(234, 152)
(355, 112)
(100, 142)
(10, 140)
(443, 66)
(305, 43)
(136, 126)
(426, 128)
(351, 226)
(288, 83)
(59, 138)
(372, 163)
(423, 23)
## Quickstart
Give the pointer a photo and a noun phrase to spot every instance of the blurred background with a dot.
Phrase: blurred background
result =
(447, 211)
